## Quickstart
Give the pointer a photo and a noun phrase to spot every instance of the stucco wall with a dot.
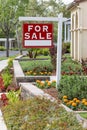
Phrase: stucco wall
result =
(79, 31)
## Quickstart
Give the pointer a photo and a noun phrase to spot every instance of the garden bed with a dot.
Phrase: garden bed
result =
(38, 114)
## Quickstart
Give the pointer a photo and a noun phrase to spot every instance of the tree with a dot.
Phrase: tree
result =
(9, 12)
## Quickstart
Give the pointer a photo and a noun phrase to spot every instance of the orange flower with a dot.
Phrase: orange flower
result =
(64, 97)
(53, 81)
(70, 102)
(74, 104)
(65, 100)
(75, 99)
(85, 103)
(49, 84)
(41, 84)
(84, 100)
(38, 81)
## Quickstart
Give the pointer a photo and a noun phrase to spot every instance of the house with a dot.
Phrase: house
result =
(78, 10)
(3, 42)
(67, 33)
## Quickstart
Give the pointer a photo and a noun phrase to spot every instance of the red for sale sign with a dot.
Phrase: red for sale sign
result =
(37, 35)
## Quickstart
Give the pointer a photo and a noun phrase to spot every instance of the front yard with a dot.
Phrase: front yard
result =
(38, 114)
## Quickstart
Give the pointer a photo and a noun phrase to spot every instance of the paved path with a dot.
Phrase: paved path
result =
(11, 53)
(3, 64)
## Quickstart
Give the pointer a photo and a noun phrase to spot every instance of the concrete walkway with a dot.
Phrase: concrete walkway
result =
(3, 64)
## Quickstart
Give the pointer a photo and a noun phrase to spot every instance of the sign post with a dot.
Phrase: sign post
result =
(60, 20)
(59, 49)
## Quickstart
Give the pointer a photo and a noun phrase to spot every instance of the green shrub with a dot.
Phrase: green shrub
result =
(2, 48)
(10, 62)
(73, 86)
(13, 96)
(66, 47)
(38, 114)
(45, 52)
(7, 78)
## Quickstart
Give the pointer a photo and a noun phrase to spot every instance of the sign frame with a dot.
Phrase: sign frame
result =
(60, 19)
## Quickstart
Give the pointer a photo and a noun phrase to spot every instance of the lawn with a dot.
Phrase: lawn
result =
(36, 66)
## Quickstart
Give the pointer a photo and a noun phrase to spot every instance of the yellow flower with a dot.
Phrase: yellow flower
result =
(84, 100)
(34, 73)
(74, 104)
(45, 72)
(85, 103)
(47, 81)
(53, 81)
(75, 99)
(70, 102)
(64, 97)
(41, 73)
(38, 81)
(49, 84)
(49, 73)
(41, 84)
(65, 100)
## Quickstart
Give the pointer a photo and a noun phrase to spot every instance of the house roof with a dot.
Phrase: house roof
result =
(74, 3)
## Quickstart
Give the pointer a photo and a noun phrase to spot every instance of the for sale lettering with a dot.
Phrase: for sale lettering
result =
(39, 33)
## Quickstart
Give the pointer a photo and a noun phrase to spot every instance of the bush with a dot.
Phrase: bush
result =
(10, 62)
(7, 78)
(2, 48)
(66, 48)
(73, 86)
(45, 52)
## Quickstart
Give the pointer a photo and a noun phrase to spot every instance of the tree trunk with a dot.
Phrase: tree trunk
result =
(7, 46)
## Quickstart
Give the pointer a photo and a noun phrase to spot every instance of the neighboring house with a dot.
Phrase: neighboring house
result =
(78, 10)
(67, 33)
(11, 42)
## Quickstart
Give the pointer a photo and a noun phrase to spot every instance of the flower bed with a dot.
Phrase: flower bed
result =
(39, 114)
(45, 84)
(75, 103)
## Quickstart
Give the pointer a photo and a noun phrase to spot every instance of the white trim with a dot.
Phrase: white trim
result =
(56, 19)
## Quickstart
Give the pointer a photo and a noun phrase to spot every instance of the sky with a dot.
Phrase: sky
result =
(67, 1)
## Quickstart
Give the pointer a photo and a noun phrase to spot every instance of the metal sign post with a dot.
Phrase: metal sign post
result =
(60, 21)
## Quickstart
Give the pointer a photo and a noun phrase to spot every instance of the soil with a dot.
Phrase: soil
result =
(53, 92)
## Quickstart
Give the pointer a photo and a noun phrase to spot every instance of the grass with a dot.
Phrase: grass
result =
(38, 65)
(39, 114)
(40, 56)
(83, 114)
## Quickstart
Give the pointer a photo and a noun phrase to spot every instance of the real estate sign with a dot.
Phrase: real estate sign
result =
(37, 35)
